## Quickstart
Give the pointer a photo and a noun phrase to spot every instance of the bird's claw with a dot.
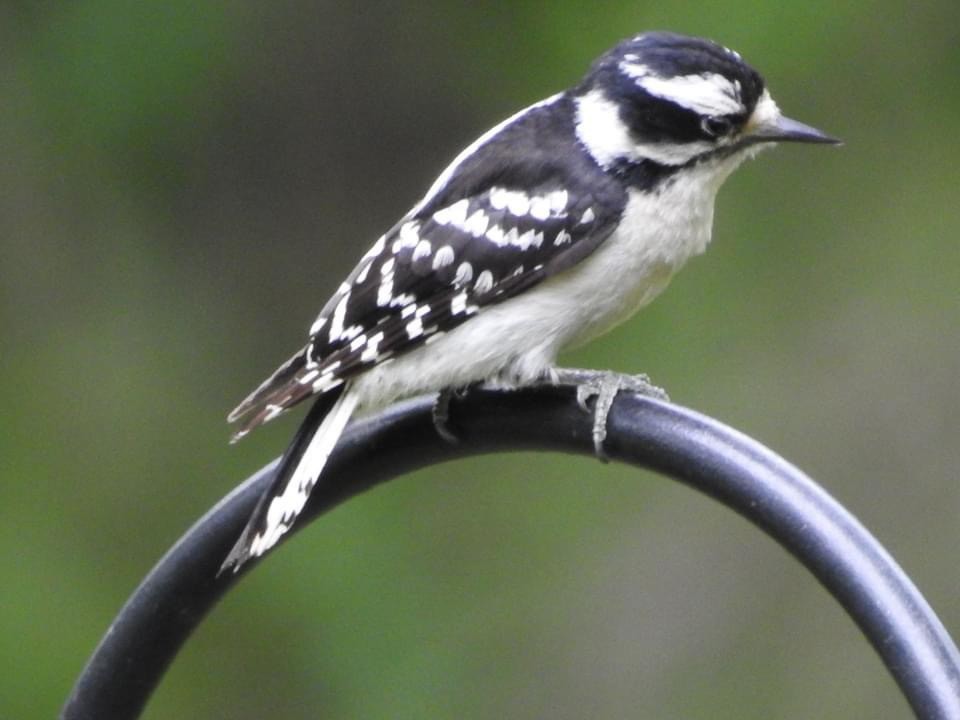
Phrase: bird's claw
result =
(604, 386)
(441, 414)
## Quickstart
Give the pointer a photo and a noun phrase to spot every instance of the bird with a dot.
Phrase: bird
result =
(549, 229)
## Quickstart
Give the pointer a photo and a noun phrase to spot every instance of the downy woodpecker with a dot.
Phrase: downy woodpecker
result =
(548, 230)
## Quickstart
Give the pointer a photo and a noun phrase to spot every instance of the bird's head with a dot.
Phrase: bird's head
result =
(676, 100)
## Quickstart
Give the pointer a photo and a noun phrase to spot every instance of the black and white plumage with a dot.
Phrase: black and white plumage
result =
(548, 230)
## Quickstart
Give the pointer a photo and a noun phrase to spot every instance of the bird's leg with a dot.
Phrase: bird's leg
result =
(604, 386)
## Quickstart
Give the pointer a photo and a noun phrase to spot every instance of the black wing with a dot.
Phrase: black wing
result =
(519, 210)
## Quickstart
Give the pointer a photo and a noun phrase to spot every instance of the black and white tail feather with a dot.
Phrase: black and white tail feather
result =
(552, 227)
(296, 476)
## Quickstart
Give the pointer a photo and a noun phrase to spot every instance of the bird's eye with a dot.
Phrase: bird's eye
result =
(716, 126)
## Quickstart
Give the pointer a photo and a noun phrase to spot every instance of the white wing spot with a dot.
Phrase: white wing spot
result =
(540, 207)
(563, 237)
(402, 300)
(530, 237)
(336, 325)
(464, 274)
(518, 203)
(415, 328)
(498, 198)
(385, 291)
(358, 342)
(369, 353)
(484, 282)
(588, 217)
(443, 257)
(477, 223)
(308, 377)
(454, 214)
(422, 250)
(351, 332)
(409, 234)
(495, 235)
(558, 201)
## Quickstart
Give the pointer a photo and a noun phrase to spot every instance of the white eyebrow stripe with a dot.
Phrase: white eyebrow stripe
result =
(705, 94)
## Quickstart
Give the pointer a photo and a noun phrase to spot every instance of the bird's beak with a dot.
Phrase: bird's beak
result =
(783, 129)
(768, 125)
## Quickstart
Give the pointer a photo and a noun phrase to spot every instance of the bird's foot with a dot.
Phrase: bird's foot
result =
(604, 386)
(441, 414)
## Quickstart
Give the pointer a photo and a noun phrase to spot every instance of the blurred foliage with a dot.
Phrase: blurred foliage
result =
(184, 183)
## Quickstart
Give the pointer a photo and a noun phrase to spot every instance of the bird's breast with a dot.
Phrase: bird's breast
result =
(657, 234)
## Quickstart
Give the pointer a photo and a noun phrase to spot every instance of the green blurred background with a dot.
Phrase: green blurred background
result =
(183, 184)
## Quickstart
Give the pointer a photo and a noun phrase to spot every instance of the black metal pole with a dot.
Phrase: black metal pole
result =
(701, 452)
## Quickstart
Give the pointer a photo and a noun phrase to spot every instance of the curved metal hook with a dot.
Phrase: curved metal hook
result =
(697, 450)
